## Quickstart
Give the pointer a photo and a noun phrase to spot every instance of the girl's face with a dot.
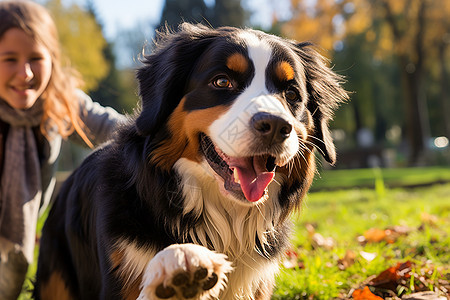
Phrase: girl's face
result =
(25, 69)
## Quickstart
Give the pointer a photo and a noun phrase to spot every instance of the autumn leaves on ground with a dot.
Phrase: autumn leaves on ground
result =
(372, 243)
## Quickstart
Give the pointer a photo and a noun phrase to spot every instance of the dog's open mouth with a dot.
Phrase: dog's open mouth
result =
(246, 177)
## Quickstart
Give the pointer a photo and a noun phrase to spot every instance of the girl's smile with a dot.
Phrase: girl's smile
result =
(25, 69)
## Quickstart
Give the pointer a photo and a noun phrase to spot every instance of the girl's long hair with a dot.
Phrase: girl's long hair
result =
(60, 102)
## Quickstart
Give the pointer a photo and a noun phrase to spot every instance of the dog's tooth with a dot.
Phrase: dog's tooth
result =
(236, 176)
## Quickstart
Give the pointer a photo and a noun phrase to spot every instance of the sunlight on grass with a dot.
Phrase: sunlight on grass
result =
(345, 215)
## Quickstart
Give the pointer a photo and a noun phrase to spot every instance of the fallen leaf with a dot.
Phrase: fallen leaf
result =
(367, 255)
(390, 278)
(310, 228)
(388, 235)
(401, 229)
(319, 241)
(289, 263)
(361, 240)
(291, 253)
(375, 235)
(428, 218)
(365, 294)
(424, 296)
(347, 261)
(292, 261)
(405, 278)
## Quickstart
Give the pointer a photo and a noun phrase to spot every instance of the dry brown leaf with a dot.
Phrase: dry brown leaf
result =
(375, 235)
(428, 218)
(347, 261)
(365, 294)
(390, 278)
(388, 235)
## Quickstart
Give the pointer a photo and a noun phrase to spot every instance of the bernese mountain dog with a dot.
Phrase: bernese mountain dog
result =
(193, 199)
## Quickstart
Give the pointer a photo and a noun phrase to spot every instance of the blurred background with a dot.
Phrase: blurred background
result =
(395, 55)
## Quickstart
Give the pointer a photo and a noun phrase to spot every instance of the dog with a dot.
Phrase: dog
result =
(193, 198)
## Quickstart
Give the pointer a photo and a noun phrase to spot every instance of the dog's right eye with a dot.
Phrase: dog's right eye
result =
(292, 95)
(222, 82)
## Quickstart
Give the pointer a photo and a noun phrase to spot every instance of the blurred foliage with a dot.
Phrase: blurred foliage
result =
(394, 54)
(115, 89)
(87, 51)
(82, 41)
(392, 43)
(220, 13)
(375, 100)
(193, 11)
(229, 13)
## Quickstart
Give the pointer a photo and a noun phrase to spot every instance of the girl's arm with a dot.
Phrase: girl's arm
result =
(100, 121)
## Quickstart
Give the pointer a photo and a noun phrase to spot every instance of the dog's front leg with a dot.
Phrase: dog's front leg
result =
(185, 271)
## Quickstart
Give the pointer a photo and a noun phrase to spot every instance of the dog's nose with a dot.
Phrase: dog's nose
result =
(272, 128)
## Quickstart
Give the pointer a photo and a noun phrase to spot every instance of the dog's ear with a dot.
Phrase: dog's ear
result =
(321, 138)
(325, 93)
(162, 79)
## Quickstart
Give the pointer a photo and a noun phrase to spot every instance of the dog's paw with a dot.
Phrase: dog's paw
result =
(185, 271)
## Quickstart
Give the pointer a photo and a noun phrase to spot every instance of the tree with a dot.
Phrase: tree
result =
(175, 11)
(406, 28)
(374, 85)
(228, 13)
(315, 21)
(440, 21)
(82, 41)
(221, 13)
(409, 45)
(415, 28)
(110, 90)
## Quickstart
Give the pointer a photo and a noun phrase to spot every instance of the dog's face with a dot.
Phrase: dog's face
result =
(244, 103)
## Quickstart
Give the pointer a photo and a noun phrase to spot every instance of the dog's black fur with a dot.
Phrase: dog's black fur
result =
(120, 194)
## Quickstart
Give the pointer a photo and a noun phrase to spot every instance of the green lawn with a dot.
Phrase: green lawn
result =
(401, 177)
(341, 214)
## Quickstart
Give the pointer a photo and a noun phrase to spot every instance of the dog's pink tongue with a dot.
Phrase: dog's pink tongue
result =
(253, 176)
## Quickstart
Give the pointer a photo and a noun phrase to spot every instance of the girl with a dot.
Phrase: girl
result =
(39, 105)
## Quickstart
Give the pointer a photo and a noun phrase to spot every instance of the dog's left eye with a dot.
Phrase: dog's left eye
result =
(222, 82)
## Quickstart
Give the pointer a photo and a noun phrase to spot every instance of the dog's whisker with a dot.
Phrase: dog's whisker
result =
(317, 147)
(277, 182)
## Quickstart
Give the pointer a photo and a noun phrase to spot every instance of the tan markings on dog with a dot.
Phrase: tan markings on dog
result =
(116, 258)
(131, 291)
(237, 62)
(184, 128)
(55, 288)
(265, 289)
(284, 71)
(131, 276)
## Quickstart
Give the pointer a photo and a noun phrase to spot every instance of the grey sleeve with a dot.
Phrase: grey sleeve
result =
(100, 121)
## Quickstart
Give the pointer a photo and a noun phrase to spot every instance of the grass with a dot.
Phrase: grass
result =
(366, 178)
(337, 211)
(345, 215)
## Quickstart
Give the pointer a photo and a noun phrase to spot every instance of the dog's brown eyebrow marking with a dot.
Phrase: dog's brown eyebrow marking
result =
(284, 71)
(237, 62)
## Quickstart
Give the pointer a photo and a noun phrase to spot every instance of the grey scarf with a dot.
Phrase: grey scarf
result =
(20, 185)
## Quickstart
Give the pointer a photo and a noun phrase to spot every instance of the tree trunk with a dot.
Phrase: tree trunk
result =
(444, 90)
(412, 69)
(415, 116)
